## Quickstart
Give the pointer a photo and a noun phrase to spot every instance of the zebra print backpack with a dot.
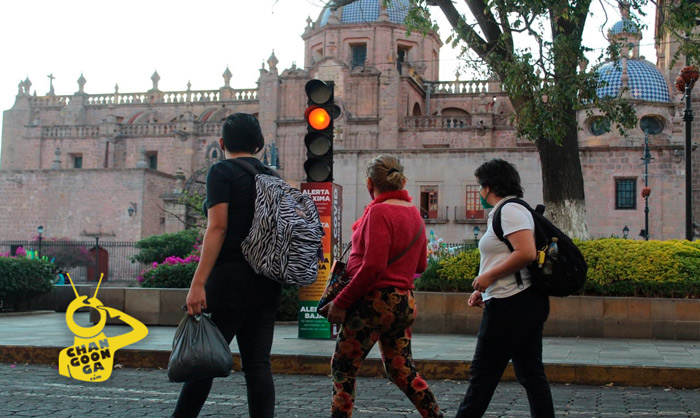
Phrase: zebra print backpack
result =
(284, 241)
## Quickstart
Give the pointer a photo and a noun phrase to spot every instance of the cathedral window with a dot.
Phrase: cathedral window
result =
(359, 55)
(152, 159)
(76, 160)
(401, 57)
(429, 202)
(599, 126)
(625, 193)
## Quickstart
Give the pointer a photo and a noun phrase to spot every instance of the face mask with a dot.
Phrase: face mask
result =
(484, 203)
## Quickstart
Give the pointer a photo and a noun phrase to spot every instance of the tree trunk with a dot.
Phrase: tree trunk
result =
(562, 183)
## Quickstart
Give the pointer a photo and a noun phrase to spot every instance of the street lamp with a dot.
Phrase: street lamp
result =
(40, 230)
(684, 83)
(625, 232)
(476, 231)
(650, 125)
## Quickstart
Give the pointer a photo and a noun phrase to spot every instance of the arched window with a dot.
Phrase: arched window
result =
(416, 110)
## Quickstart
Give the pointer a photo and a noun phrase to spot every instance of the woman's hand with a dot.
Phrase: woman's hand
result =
(196, 298)
(475, 299)
(335, 314)
(483, 281)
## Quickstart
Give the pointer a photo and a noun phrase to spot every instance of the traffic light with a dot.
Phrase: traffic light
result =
(319, 117)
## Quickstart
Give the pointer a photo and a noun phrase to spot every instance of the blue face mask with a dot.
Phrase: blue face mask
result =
(484, 203)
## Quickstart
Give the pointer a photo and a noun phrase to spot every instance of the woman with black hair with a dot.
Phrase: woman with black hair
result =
(514, 316)
(242, 303)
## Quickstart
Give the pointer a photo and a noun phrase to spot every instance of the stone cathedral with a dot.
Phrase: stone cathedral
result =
(116, 163)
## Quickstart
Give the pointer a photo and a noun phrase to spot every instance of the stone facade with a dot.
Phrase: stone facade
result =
(392, 102)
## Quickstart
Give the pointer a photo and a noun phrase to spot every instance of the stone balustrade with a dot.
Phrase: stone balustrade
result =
(148, 129)
(49, 101)
(461, 87)
(168, 97)
(70, 131)
(437, 122)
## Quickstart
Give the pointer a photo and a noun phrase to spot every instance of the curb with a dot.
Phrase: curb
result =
(581, 374)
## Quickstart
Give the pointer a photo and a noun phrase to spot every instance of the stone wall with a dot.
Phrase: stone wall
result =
(76, 203)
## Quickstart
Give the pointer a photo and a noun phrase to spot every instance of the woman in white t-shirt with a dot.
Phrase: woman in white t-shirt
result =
(514, 315)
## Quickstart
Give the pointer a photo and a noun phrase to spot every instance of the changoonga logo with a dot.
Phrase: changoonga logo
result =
(91, 357)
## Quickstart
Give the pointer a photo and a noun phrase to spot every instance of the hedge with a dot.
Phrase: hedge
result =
(180, 276)
(22, 278)
(616, 267)
(157, 248)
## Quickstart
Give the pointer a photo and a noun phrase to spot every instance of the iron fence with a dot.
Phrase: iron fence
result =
(78, 258)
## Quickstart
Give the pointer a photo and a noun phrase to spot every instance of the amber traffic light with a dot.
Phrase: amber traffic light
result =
(319, 117)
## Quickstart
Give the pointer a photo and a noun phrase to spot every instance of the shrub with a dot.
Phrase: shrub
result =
(65, 254)
(289, 309)
(159, 247)
(450, 274)
(22, 278)
(618, 267)
(174, 272)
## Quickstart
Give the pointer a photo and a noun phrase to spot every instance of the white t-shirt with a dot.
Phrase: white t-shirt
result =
(514, 218)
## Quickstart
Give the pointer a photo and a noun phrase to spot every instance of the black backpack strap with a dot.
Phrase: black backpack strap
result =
(498, 230)
(251, 168)
(398, 257)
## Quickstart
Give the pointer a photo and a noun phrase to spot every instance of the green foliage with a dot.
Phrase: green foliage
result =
(169, 275)
(65, 254)
(681, 18)
(616, 267)
(159, 247)
(22, 278)
(289, 309)
(450, 274)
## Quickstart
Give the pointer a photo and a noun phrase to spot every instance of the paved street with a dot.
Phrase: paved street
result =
(39, 391)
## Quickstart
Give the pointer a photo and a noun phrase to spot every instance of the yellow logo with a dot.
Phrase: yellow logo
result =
(91, 357)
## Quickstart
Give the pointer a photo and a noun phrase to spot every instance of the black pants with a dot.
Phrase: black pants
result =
(511, 328)
(249, 315)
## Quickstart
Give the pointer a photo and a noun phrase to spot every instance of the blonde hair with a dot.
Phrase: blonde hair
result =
(386, 173)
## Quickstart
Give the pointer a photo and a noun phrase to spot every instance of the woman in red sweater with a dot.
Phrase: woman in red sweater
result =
(388, 248)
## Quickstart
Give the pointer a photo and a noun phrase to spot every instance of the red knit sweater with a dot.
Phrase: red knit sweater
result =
(382, 234)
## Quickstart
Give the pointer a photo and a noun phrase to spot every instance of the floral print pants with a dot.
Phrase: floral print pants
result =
(384, 315)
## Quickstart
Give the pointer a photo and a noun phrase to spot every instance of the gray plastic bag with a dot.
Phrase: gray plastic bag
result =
(199, 351)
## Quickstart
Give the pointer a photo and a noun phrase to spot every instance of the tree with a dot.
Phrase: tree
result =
(544, 82)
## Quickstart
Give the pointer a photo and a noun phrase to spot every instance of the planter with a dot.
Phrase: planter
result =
(448, 313)
(573, 316)
(152, 306)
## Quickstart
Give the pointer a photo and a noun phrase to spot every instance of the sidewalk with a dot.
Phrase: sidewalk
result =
(38, 337)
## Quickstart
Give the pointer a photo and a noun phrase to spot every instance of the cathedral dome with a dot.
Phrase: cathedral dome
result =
(364, 11)
(645, 81)
(624, 26)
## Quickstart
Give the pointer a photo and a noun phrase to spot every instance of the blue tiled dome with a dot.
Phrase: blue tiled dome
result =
(367, 11)
(645, 81)
(624, 26)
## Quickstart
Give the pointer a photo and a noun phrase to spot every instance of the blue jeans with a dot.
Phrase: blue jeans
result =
(250, 317)
(511, 328)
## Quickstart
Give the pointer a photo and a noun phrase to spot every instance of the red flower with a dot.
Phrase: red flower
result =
(419, 384)
(387, 319)
(342, 401)
(398, 362)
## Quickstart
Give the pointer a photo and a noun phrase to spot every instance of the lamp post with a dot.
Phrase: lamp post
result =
(40, 230)
(476, 231)
(684, 83)
(625, 232)
(650, 125)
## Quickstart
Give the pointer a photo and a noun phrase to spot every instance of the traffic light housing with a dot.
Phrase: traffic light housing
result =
(319, 117)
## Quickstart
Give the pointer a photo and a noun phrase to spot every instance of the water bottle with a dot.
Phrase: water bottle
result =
(552, 253)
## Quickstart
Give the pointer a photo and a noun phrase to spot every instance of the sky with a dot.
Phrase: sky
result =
(125, 42)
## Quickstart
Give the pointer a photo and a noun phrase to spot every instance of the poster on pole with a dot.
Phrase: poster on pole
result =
(328, 198)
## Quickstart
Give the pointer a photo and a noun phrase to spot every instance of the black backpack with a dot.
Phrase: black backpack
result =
(569, 268)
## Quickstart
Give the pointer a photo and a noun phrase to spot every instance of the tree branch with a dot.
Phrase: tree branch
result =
(486, 20)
